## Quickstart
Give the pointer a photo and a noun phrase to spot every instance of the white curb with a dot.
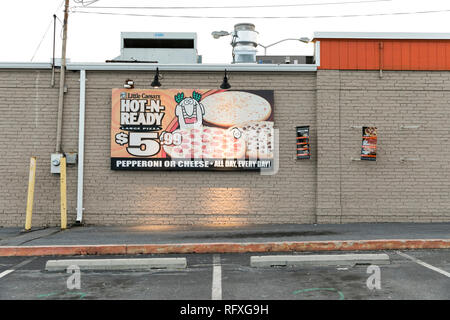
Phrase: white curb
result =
(117, 264)
(319, 260)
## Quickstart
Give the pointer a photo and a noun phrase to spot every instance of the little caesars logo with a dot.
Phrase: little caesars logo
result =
(140, 113)
(141, 116)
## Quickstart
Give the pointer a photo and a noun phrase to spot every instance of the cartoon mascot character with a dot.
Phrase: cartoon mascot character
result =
(189, 111)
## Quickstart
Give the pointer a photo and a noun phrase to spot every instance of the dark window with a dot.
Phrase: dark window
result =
(159, 43)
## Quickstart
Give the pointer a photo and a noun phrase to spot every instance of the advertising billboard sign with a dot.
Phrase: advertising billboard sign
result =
(191, 129)
(369, 144)
(303, 149)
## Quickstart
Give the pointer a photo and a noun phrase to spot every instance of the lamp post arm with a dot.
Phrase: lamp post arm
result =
(265, 47)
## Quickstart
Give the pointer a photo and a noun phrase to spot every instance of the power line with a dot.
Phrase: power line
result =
(264, 17)
(237, 7)
(46, 31)
(83, 4)
(60, 5)
(60, 21)
(42, 39)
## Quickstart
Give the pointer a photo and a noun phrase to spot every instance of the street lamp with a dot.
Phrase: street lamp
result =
(218, 34)
(244, 42)
(303, 39)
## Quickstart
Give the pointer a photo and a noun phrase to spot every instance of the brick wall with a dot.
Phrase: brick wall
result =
(28, 109)
(388, 190)
(124, 197)
(329, 188)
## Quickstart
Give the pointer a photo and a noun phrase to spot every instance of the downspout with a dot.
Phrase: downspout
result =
(81, 147)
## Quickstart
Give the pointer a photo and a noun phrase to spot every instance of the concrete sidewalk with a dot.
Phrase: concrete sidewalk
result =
(247, 238)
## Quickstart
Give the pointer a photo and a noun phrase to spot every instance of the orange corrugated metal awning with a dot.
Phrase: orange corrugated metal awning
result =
(387, 54)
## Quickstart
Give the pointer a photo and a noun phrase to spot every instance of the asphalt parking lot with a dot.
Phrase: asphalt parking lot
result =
(415, 274)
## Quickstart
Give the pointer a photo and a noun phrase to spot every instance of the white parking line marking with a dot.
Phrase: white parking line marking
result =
(426, 265)
(5, 273)
(217, 279)
(17, 266)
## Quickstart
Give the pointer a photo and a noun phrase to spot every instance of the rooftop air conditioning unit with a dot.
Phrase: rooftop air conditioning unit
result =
(158, 47)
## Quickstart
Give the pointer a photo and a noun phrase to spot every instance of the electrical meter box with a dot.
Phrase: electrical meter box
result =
(55, 161)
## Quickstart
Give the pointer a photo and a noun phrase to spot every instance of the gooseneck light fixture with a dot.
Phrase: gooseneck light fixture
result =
(225, 84)
(155, 83)
(129, 84)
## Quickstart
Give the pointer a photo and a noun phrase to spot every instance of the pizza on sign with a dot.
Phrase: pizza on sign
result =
(191, 129)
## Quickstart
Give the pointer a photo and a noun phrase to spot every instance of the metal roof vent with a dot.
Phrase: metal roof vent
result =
(244, 43)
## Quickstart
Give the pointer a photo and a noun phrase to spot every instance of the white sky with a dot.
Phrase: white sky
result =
(96, 38)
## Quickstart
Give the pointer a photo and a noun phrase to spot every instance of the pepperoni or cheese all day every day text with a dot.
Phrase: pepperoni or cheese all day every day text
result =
(139, 112)
(193, 164)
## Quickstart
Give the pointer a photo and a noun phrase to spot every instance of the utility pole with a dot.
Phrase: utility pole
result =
(62, 79)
